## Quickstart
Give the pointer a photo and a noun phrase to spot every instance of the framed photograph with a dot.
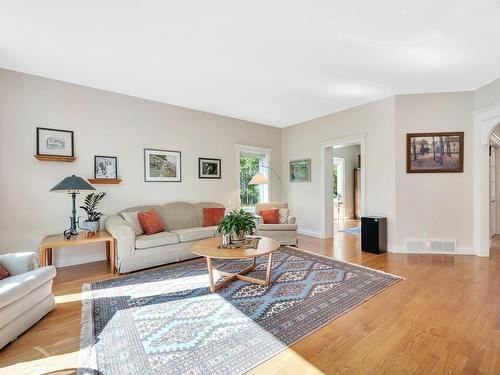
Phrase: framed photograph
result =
(435, 152)
(162, 165)
(105, 167)
(300, 170)
(209, 168)
(54, 142)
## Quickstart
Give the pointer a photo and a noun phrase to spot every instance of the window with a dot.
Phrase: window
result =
(252, 160)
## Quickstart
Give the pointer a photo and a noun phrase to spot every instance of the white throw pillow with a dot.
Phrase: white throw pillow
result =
(133, 220)
(283, 215)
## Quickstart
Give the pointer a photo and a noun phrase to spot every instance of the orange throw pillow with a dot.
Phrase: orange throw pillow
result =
(213, 216)
(150, 222)
(3, 273)
(271, 216)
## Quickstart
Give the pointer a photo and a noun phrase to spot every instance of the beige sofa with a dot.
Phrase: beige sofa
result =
(285, 233)
(25, 296)
(184, 225)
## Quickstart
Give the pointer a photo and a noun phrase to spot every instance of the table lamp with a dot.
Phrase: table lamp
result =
(72, 185)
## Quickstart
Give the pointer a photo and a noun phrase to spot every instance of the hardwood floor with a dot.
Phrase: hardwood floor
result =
(444, 318)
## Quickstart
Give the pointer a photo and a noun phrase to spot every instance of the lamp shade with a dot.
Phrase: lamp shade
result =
(259, 179)
(71, 184)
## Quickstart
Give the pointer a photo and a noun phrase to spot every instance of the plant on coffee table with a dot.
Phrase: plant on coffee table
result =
(237, 224)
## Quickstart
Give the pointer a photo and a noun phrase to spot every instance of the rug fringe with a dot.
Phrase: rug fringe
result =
(87, 360)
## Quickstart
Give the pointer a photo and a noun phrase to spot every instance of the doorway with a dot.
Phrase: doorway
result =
(346, 189)
(338, 208)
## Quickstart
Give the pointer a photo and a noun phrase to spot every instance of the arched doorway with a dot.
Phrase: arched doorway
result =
(485, 121)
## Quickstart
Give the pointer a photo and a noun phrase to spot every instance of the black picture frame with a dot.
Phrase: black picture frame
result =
(202, 175)
(177, 154)
(115, 177)
(39, 129)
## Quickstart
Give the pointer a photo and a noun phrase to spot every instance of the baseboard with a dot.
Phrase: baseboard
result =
(309, 232)
(461, 250)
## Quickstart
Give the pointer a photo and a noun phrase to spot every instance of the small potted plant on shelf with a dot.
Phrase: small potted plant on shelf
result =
(235, 225)
(92, 224)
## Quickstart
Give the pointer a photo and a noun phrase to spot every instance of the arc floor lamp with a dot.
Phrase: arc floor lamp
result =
(260, 178)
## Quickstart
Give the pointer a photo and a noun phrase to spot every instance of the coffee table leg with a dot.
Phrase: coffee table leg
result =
(268, 272)
(210, 274)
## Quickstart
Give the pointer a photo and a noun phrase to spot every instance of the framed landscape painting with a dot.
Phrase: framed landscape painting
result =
(162, 165)
(300, 170)
(435, 152)
(54, 142)
(209, 168)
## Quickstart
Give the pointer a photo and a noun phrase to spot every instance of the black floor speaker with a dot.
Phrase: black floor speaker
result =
(374, 234)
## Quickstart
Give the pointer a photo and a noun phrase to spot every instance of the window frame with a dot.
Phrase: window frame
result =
(265, 190)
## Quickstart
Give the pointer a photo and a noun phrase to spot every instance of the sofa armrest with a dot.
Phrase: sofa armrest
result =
(291, 220)
(18, 263)
(124, 235)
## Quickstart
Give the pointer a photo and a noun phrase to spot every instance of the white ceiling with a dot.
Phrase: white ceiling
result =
(268, 61)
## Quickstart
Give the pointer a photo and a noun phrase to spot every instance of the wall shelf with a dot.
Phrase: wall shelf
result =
(67, 159)
(104, 181)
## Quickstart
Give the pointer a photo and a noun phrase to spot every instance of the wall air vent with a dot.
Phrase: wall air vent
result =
(431, 246)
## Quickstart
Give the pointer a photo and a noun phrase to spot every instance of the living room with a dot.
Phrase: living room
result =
(201, 136)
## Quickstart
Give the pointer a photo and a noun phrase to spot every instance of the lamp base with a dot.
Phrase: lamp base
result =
(69, 232)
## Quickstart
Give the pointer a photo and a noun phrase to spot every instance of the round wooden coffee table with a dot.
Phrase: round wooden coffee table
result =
(209, 249)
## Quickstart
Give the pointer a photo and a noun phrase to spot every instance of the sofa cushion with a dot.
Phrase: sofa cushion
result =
(194, 234)
(212, 215)
(14, 287)
(280, 227)
(179, 215)
(150, 222)
(133, 220)
(145, 241)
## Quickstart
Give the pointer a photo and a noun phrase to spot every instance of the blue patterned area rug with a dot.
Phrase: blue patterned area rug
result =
(353, 230)
(165, 321)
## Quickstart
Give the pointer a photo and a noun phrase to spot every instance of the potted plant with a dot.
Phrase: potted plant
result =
(236, 224)
(92, 223)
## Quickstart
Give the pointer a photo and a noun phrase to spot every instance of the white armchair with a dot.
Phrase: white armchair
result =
(25, 295)
(285, 232)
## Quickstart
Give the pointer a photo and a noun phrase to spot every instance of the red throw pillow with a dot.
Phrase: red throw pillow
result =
(213, 216)
(3, 273)
(150, 222)
(271, 216)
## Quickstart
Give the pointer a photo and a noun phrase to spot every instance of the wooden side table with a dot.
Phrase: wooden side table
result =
(51, 242)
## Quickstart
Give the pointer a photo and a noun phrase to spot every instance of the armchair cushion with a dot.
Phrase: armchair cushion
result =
(270, 216)
(14, 287)
(18, 263)
(3, 273)
(273, 227)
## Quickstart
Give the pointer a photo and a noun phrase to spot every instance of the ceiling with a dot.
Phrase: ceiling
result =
(273, 62)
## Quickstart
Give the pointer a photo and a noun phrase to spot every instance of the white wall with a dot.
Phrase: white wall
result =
(350, 155)
(377, 121)
(487, 94)
(437, 203)
(106, 124)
